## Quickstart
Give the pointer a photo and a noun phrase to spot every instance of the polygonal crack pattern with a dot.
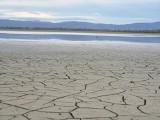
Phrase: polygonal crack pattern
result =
(79, 83)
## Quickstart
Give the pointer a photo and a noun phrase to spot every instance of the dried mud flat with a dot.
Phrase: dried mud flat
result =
(81, 81)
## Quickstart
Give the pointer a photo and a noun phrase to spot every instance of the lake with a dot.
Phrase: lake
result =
(75, 36)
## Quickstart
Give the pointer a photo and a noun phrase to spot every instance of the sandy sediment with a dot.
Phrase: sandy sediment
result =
(79, 81)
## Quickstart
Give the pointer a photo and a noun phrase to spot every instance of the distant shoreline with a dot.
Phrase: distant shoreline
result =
(83, 31)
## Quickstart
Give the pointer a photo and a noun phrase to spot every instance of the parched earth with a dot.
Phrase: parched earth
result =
(71, 82)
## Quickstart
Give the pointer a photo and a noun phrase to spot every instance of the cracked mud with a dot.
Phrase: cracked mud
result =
(79, 81)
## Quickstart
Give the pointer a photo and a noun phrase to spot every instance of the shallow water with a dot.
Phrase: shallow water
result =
(73, 36)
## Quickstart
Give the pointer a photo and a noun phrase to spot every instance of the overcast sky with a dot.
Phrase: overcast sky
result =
(97, 11)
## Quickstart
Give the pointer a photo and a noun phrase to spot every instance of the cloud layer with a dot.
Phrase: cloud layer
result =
(62, 3)
(104, 11)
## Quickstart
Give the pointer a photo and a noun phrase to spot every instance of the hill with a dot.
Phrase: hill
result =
(79, 25)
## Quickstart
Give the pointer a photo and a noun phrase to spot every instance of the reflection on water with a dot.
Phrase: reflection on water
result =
(69, 36)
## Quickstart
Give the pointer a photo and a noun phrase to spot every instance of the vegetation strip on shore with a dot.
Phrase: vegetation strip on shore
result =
(77, 30)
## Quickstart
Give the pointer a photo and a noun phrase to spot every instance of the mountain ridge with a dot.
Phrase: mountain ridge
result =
(79, 25)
